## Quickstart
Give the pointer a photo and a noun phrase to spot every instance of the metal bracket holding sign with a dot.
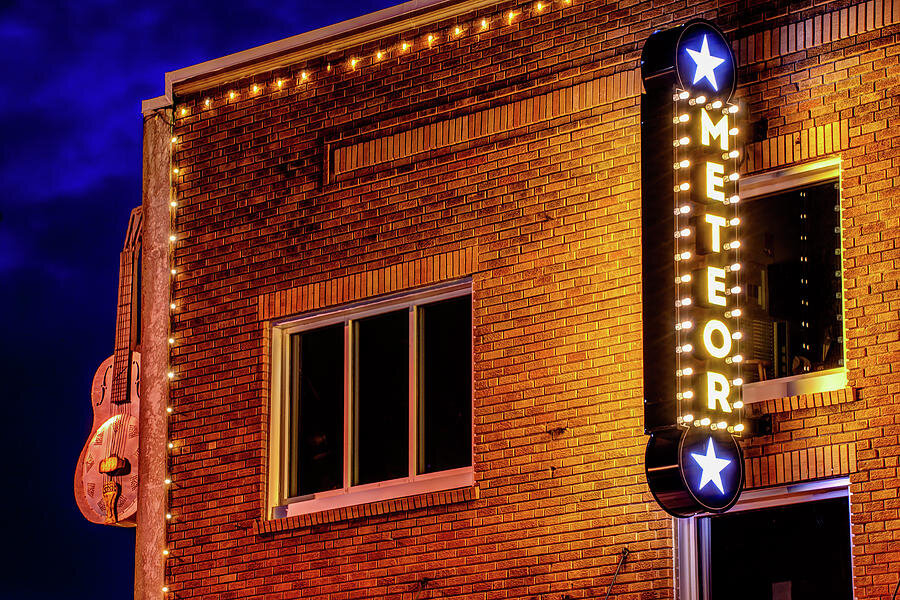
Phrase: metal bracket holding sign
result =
(691, 270)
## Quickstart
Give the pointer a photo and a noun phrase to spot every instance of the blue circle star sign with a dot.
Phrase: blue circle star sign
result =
(712, 468)
(704, 61)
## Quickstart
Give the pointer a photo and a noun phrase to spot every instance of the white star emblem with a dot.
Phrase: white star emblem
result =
(706, 64)
(711, 467)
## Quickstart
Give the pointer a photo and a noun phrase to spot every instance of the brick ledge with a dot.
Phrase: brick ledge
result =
(270, 526)
(814, 400)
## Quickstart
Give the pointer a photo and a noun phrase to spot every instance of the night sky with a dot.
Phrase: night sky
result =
(73, 77)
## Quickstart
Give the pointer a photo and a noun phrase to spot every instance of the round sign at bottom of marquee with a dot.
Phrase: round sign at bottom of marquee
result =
(712, 466)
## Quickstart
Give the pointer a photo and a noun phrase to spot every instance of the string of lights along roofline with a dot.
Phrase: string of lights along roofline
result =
(352, 64)
(404, 47)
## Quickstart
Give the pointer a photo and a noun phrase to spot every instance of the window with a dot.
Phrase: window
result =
(791, 266)
(787, 543)
(375, 401)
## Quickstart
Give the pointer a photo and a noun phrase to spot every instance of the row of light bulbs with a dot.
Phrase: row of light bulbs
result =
(404, 47)
(685, 232)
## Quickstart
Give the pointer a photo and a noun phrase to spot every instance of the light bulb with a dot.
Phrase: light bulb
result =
(165, 589)
(687, 371)
(379, 55)
(457, 31)
(684, 141)
(430, 39)
(738, 358)
(687, 418)
(686, 301)
(255, 88)
(175, 170)
(684, 118)
(173, 271)
(722, 424)
(685, 209)
(484, 24)
(688, 394)
(279, 83)
(183, 111)
(172, 306)
(510, 16)
(739, 427)
(686, 278)
(168, 515)
(170, 375)
(171, 341)
(734, 267)
(736, 289)
(404, 46)
(734, 176)
(171, 445)
(700, 100)
(685, 164)
(734, 131)
(353, 62)
(174, 140)
(717, 104)
(737, 335)
(169, 409)
(687, 325)
(206, 102)
(685, 255)
(165, 553)
(684, 186)
(738, 404)
(734, 222)
(304, 75)
(539, 6)
(704, 421)
(683, 95)
(231, 95)
(733, 154)
(173, 204)
(734, 199)
(686, 232)
(733, 108)
(172, 238)
(167, 481)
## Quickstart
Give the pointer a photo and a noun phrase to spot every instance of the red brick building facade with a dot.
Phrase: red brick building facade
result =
(496, 146)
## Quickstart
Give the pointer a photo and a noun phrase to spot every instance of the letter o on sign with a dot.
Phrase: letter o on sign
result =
(717, 350)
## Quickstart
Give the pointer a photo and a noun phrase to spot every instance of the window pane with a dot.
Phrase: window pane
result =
(792, 271)
(317, 409)
(381, 398)
(445, 385)
(795, 552)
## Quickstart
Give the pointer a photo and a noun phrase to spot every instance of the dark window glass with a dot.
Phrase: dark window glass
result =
(381, 398)
(795, 552)
(317, 410)
(445, 385)
(791, 268)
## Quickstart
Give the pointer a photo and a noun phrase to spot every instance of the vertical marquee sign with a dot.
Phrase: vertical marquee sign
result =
(691, 286)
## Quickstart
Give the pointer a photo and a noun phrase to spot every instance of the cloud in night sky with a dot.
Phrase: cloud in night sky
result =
(73, 77)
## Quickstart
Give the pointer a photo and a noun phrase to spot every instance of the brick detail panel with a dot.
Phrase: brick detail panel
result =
(269, 526)
(803, 401)
(815, 142)
(401, 276)
(481, 124)
(800, 465)
(815, 31)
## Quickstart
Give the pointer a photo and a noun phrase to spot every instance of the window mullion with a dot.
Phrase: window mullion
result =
(413, 391)
(348, 401)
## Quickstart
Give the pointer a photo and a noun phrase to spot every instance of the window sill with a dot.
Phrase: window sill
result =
(448, 487)
(806, 384)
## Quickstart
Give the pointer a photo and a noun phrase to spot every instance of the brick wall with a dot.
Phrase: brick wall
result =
(511, 155)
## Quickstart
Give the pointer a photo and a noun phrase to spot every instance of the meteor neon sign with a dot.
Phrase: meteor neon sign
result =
(691, 279)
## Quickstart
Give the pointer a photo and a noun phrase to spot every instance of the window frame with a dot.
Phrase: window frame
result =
(785, 180)
(687, 532)
(278, 504)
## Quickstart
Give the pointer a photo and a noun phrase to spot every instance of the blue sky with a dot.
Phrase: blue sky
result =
(73, 77)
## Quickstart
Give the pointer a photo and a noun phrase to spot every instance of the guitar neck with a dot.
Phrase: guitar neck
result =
(124, 317)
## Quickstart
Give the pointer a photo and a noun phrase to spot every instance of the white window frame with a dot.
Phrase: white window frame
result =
(689, 567)
(783, 180)
(351, 495)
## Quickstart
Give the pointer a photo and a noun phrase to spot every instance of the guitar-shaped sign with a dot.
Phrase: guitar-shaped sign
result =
(106, 477)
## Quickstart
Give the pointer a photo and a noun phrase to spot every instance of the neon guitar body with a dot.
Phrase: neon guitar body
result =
(113, 439)
(106, 478)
